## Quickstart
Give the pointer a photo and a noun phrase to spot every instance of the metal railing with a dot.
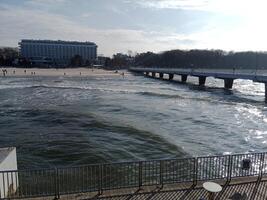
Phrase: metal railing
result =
(101, 177)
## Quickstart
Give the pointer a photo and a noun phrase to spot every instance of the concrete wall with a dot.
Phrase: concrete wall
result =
(8, 180)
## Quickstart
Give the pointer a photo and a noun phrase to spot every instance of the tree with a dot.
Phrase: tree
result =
(76, 61)
(8, 55)
(203, 59)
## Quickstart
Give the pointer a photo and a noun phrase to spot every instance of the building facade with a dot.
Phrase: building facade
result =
(57, 52)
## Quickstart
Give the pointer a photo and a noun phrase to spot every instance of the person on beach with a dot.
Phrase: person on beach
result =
(25, 71)
(14, 72)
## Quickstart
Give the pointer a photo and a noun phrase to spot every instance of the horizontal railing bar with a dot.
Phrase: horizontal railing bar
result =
(29, 170)
(137, 161)
(239, 154)
(125, 162)
(154, 160)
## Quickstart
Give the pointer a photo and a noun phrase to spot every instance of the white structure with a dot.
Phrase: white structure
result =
(8, 180)
(57, 52)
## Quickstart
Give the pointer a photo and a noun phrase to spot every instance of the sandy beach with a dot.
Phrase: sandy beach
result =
(57, 72)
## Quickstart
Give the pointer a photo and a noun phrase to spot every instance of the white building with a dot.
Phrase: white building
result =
(57, 52)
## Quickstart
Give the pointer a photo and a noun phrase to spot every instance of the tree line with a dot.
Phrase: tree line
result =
(194, 58)
(202, 59)
(8, 55)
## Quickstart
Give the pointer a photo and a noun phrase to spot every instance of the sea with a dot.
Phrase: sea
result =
(70, 121)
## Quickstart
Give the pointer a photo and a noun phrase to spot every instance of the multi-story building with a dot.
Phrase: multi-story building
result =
(57, 52)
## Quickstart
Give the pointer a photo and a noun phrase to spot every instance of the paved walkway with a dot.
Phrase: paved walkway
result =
(252, 188)
(256, 190)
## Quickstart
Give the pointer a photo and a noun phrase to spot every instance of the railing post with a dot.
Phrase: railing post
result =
(140, 174)
(195, 171)
(229, 174)
(262, 164)
(161, 173)
(100, 179)
(0, 189)
(57, 195)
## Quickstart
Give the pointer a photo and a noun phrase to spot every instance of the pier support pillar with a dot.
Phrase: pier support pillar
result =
(201, 80)
(265, 92)
(147, 73)
(161, 75)
(170, 76)
(153, 74)
(184, 78)
(228, 83)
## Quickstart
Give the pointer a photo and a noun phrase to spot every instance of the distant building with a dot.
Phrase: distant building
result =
(101, 60)
(57, 52)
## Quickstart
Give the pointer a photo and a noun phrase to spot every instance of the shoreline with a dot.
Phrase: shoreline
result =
(68, 72)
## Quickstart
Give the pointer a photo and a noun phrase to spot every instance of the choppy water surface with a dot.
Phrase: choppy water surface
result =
(66, 121)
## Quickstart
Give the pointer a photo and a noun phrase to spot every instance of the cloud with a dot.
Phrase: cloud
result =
(173, 4)
(45, 2)
(233, 7)
(232, 25)
(17, 23)
(86, 15)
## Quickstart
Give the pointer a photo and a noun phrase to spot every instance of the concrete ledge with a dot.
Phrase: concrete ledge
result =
(8, 180)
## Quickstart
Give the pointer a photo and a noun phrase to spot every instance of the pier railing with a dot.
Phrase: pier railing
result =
(101, 177)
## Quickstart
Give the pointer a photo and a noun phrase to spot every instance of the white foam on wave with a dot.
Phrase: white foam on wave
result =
(13, 86)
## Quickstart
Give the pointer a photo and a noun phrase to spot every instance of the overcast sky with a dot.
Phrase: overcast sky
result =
(138, 25)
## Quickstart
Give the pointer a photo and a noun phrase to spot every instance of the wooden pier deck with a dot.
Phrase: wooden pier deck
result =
(253, 188)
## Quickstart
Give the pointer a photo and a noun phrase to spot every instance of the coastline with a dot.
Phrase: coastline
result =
(71, 72)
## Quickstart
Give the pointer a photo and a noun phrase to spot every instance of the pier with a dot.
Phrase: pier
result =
(228, 75)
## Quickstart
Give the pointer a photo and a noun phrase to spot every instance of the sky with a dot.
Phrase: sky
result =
(138, 25)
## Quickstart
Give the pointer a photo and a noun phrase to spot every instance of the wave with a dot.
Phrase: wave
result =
(164, 95)
(4, 87)
(222, 96)
(146, 93)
